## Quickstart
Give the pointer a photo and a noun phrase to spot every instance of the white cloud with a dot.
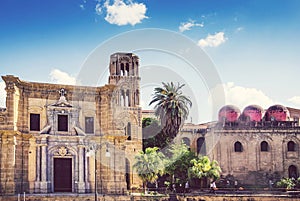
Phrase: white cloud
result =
(185, 26)
(98, 9)
(239, 29)
(60, 77)
(82, 6)
(121, 13)
(295, 100)
(2, 94)
(243, 96)
(213, 40)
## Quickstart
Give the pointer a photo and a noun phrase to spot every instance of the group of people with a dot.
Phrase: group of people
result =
(213, 186)
(186, 187)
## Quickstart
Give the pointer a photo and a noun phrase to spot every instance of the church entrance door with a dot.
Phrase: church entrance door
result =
(62, 175)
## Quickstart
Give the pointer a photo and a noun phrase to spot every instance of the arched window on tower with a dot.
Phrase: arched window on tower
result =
(128, 131)
(137, 68)
(132, 69)
(264, 146)
(122, 98)
(291, 146)
(137, 97)
(238, 147)
(127, 98)
(127, 69)
(122, 69)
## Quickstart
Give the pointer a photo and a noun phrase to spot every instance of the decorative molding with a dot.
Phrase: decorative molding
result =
(62, 151)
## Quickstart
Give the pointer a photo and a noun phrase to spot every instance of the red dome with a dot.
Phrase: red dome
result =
(277, 113)
(252, 113)
(229, 113)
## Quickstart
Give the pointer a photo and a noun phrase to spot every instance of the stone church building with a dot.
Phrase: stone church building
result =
(253, 147)
(63, 138)
(80, 139)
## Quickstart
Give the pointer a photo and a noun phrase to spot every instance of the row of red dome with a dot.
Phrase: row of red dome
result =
(256, 113)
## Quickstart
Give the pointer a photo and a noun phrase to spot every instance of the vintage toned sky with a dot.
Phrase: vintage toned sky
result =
(253, 44)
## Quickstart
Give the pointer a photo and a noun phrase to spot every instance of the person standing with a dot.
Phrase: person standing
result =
(235, 185)
(186, 187)
(213, 187)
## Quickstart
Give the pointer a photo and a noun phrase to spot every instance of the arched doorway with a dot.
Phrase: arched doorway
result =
(201, 149)
(293, 172)
(127, 174)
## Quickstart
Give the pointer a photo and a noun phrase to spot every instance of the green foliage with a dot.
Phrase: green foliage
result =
(179, 162)
(149, 165)
(287, 183)
(172, 108)
(204, 168)
(149, 122)
(152, 134)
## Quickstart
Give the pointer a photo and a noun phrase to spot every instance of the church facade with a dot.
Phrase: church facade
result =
(78, 139)
(254, 147)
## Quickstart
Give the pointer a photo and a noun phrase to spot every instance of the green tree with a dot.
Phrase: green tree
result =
(287, 183)
(179, 162)
(172, 108)
(204, 168)
(153, 135)
(149, 165)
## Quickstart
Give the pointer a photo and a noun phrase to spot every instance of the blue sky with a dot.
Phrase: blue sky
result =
(253, 44)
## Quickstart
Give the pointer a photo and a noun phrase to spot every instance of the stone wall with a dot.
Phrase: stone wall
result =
(90, 197)
(251, 166)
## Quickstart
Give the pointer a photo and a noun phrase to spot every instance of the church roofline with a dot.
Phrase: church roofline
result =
(43, 85)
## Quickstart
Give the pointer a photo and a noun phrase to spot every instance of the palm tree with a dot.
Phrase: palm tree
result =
(203, 168)
(172, 107)
(149, 165)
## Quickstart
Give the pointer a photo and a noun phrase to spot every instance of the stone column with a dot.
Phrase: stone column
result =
(44, 183)
(81, 170)
(10, 102)
(38, 170)
(7, 164)
(87, 168)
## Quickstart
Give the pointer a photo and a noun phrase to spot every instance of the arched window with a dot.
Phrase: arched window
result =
(264, 146)
(291, 145)
(293, 172)
(127, 69)
(238, 147)
(122, 70)
(128, 130)
(201, 146)
(186, 141)
(127, 99)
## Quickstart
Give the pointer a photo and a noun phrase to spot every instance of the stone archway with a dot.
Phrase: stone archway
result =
(293, 171)
(201, 149)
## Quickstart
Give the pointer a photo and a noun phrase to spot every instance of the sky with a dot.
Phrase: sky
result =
(253, 45)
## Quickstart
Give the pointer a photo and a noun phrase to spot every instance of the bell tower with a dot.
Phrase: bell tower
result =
(124, 73)
(126, 112)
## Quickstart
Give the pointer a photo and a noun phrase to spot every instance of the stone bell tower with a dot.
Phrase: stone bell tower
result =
(127, 118)
(124, 72)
